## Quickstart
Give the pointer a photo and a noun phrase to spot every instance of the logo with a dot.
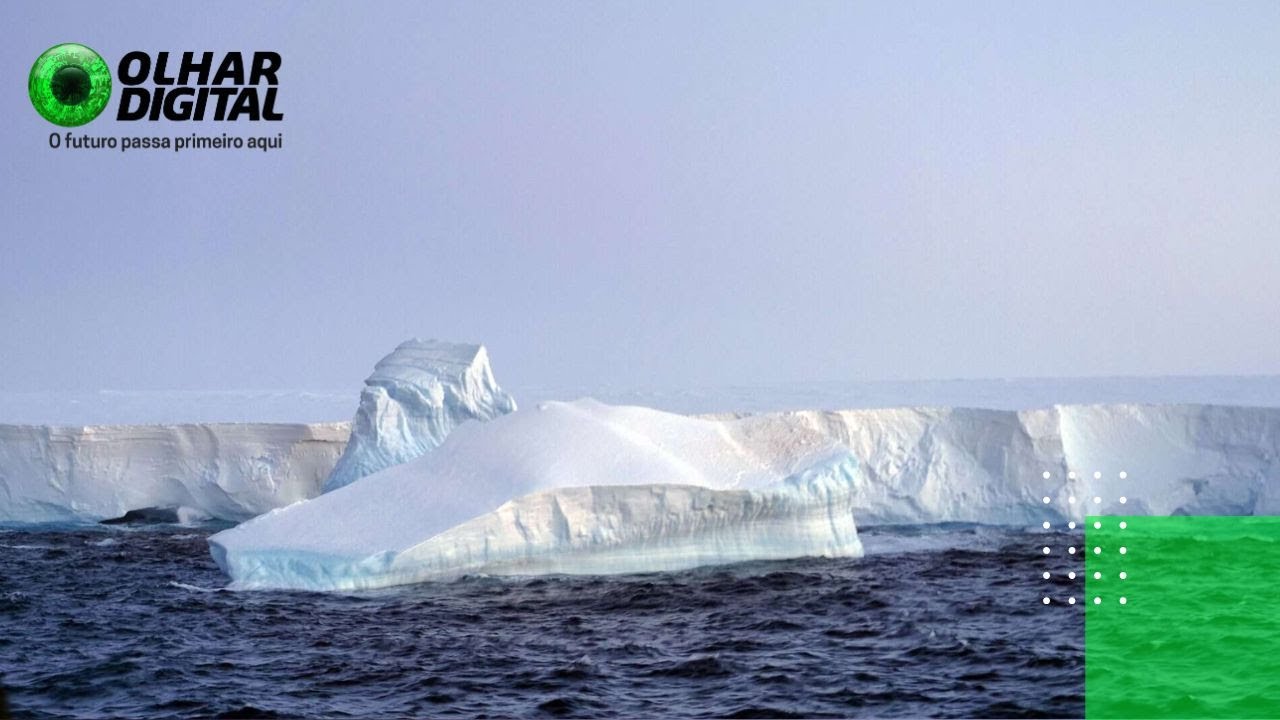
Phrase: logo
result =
(197, 86)
(69, 85)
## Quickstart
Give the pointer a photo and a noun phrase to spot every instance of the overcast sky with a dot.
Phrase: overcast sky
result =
(661, 194)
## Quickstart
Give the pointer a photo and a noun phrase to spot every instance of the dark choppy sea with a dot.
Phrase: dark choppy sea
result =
(935, 622)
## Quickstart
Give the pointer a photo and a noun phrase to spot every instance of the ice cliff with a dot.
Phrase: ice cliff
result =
(233, 471)
(565, 487)
(917, 465)
(415, 397)
(226, 471)
(584, 487)
(988, 466)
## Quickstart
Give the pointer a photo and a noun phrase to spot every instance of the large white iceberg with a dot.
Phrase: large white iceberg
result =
(226, 471)
(916, 465)
(415, 397)
(566, 487)
(922, 465)
(234, 471)
(587, 488)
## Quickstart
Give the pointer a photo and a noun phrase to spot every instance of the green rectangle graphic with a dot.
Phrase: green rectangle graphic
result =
(1182, 617)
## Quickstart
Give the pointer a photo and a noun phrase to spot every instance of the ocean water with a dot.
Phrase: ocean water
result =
(1198, 634)
(132, 621)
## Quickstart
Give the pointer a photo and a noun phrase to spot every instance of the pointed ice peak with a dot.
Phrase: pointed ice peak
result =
(415, 397)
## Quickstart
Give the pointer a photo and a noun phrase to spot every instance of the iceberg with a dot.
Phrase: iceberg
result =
(576, 487)
(235, 471)
(915, 465)
(415, 397)
(57, 474)
(933, 465)
(588, 488)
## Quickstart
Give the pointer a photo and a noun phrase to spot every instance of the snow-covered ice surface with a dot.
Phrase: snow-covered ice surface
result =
(587, 488)
(584, 487)
(224, 471)
(156, 407)
(415, 397)
(177, 407)
(991, 394)
(917, 465)
(926, 465)
(576, 487)
(932, 465)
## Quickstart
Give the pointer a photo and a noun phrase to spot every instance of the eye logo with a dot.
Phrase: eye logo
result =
(69, 84)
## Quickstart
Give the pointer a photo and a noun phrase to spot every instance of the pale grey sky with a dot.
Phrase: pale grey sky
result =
(661, 194)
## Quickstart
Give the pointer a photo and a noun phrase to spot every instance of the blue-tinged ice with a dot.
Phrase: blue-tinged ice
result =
(415, 397)
(576, 487)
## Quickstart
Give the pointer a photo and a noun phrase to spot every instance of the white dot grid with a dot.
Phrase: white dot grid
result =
(1123, 550)
(1073, 475)
(1097, 550)
(1097, 475)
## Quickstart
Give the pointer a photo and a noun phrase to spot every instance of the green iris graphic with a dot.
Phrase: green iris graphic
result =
(69, 84)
